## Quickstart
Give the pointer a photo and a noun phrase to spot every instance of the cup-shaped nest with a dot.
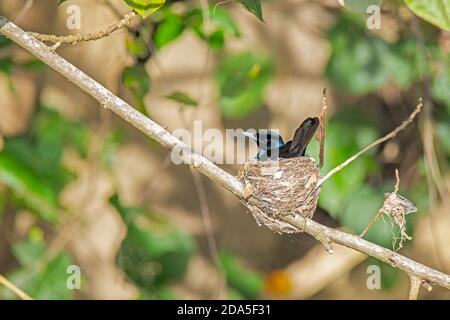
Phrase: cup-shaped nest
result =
(276, 189)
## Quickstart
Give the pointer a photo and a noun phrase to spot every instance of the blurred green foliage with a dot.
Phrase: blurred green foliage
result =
(136, 79)
(362, 63)
(390, 276)
(173, 25)
(182, 98)
(41, 275)
(155, 254)
(242, 80)
(246, 282)
(31, 164)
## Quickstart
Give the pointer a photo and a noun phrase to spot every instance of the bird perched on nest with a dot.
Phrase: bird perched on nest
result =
(272, 146)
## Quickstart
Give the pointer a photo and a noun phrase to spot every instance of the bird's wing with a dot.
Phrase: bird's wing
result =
(303, 136)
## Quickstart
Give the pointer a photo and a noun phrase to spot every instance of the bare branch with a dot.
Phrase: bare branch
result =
(107, 99)
(390, 135)
(11, 286)
(76, 38)
(415, 287)
(378, 215)
(322, 118)
(416, 283)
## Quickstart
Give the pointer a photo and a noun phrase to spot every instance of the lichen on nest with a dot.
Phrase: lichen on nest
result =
(276, 189)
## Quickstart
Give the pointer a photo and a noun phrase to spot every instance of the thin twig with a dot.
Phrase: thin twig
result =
(416, 283)
(11, 286)
(397, 181)
(380, 212)
(378, 215)
(107, 99)
(390, 135)
(76, 38)
(322, 118)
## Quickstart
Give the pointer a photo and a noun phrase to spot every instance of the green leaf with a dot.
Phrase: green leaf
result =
(216, 39)
(436, 12)
(136, 79)
(253, 6)
(61, 1)
(170, 29)
(247, 282)
(137, 46)
(220, 25)
(182, 98)
(145, 7)
(242, 81)
(28, 186)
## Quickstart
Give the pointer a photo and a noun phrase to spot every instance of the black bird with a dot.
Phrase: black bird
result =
(272, 146)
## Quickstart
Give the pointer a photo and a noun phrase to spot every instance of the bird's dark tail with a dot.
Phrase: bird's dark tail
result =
(303, 135)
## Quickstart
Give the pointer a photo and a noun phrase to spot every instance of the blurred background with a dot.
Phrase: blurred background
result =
(80, 187)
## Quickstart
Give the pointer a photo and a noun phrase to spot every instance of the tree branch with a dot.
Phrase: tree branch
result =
(11, 286)
(322, 117)
(75, 38)
(108, 100)
(390, 135)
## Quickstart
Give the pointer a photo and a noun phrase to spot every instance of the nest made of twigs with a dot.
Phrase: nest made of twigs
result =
(275, 189)
(397, 207)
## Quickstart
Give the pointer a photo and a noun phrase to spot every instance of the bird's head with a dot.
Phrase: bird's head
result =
(265, 139)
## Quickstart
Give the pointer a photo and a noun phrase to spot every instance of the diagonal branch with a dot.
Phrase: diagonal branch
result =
(19, 292)
(108, 100)
(390, 135)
